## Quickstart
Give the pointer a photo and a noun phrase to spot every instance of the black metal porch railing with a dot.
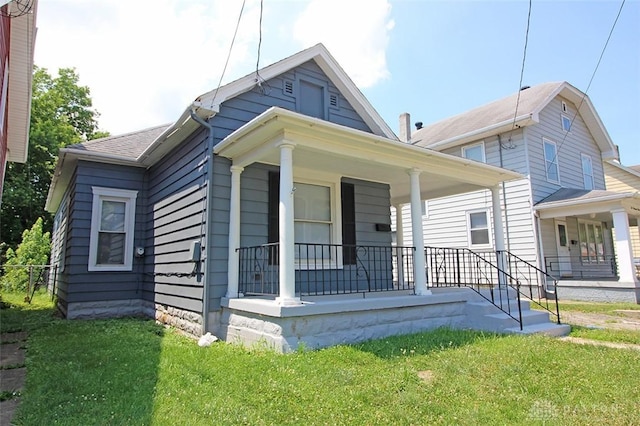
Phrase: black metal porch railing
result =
(582, 267)
(461, 267)
(537, 284)
(326, 269)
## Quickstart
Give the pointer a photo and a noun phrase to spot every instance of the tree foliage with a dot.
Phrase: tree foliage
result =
(33, 250)
(61, 115)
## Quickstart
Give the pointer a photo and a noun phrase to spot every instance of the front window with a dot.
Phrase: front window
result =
(587, 172)
(591, 242)
(551, 161)
(313, 220)
(474, 152)
(478, 229)
(112, 225)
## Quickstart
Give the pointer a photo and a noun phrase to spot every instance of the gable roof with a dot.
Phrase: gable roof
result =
(498, 116)
(145, 147)
(208, 104)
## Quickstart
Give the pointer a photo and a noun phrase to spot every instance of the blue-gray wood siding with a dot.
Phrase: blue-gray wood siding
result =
(177, 192)
(76, 283)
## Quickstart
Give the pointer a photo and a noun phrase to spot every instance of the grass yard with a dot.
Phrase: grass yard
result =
(134, 372)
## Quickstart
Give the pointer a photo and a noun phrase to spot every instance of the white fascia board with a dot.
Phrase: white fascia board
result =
(594, 205)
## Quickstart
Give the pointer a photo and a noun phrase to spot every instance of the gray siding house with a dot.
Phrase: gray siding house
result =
(559, 216)
(261, 214)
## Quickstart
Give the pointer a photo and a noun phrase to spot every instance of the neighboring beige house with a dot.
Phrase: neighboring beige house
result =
(625, 179)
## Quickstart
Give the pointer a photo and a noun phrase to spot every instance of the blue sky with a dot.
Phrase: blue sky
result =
(144, 60)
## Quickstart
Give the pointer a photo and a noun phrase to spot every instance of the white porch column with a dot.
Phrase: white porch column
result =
(400, 243)
(498, 233)
(286, 228)
(419, 262)
(624, 252)
(234, 233)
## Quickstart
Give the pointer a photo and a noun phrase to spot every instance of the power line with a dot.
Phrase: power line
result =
(584, 94)
(233, 40)
(524, 57)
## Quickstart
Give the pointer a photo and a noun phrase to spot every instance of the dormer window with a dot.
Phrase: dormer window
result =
(566, 123)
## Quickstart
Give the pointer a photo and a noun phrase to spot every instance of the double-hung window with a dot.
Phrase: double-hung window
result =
(587, 171)
(324, 219)
(478, 229)
(112, 228)
(551, 161)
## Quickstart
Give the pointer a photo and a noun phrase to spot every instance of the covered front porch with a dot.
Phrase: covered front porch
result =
(586, 238)
(325, 255)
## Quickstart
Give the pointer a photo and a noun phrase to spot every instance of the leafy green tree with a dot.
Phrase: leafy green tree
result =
(61, 115)
(33, 250)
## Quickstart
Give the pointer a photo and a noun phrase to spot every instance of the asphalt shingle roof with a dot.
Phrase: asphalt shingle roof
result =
(128, 145)
(484, 116)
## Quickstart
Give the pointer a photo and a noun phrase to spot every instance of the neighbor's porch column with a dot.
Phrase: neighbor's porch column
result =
(419, 261)
(399, 245)
(626, 268)
(234, 233)
(286, 228)
(498, 234)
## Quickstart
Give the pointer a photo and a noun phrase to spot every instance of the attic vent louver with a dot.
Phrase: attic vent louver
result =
(333, 100)
(288, 87)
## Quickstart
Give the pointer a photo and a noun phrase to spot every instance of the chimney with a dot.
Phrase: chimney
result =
(405, 127)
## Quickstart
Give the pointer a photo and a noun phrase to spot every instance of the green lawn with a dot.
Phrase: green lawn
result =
(134, 372)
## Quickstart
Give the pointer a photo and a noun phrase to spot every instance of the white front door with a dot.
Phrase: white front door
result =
(563, 264)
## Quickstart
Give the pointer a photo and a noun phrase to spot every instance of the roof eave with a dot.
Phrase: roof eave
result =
(488, 131)
(21, 48)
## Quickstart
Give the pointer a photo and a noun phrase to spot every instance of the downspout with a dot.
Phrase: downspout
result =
(209, 231)
(504, 199)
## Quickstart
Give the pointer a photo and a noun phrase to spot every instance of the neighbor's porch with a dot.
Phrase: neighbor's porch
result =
(586, 238)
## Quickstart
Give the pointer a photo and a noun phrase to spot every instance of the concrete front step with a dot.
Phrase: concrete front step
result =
(548, 328)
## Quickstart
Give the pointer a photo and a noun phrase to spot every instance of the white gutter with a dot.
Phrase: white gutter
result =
(506, 125)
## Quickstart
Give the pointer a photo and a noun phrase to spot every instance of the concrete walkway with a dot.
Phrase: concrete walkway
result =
(615, 345)
(12, 372)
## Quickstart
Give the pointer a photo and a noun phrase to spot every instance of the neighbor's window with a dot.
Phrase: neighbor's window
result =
(587, 172)
(566, 123)
(591, 242)
(551, 161)
(112, 226)
(474, 152)
(478, 228)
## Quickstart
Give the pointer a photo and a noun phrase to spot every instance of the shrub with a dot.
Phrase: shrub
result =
(34, 249)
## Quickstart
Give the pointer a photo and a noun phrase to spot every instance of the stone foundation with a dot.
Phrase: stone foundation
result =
(328, 322)
(109, 309)
(187, 321)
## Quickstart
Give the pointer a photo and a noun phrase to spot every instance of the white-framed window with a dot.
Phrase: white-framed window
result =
(551, 160)
(317, 224)
(474, 152)
(425, 209)
(112, 228)
(566, 122)
(587, 171)
(564, 106)
(591, 238)
(478, 230)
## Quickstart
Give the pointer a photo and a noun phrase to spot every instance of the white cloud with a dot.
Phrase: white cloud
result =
(144, 60)
(356, 32)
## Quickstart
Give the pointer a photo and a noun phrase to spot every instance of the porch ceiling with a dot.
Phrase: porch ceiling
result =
(335, 149)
